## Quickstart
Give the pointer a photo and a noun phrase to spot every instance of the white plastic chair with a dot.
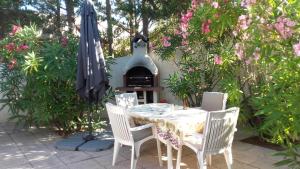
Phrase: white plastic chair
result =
(216, 139)
(127, 100)
(214, 101)
(126, 135)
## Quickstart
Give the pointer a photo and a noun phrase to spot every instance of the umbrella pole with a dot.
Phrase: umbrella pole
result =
(90, 135)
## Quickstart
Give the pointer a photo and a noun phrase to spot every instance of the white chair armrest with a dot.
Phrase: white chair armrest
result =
(141, 127)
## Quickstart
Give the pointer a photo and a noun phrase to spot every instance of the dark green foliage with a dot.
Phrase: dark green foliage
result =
(39, 89)
(291, 157)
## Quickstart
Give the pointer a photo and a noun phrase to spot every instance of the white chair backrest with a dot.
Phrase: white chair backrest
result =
(119, 124)
(219, 130)
(214, 101)
(127, 99)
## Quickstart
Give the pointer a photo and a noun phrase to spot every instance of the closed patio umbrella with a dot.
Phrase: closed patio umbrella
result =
(91, 80)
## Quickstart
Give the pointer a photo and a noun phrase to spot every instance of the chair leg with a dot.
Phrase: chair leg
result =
(159, 153)
(133, 158)
(228, 158)
(116, 151)
(179, 154)
(170, 156)
(201, 161)
(208, 160)
(137, 149)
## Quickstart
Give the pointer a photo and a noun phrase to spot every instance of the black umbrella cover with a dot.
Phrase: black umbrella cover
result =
(92, 80)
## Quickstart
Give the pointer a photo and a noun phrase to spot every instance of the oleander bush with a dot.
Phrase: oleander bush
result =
(249, 49)
(38, 81)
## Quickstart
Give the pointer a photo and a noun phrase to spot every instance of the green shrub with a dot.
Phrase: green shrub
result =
(38, 83)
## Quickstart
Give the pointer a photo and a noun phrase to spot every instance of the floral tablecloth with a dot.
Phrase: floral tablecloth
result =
(172, 122)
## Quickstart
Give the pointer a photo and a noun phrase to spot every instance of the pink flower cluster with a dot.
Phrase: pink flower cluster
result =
(15, 29)
(215, 5)
(12, 64)
(247, 3)
(297, 49)
(195, 4)
(239, 51)
(22, 47)
(205, 27)
(244, 22)
(284, 26)
(165, 41)
(184, 22)
(218, 60)
(10, 47)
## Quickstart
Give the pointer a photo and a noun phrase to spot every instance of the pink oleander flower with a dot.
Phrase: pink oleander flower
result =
(244, 22)
(64, 41)
(218, 60)
(15, 29)
(297, 49)
(284, 26)
(256, 54)
(184, 43)
(12, 64)
(10, 47)
(247, 3)
(239, 51)
(22, 47)
(165, 41)
(184, 26)
(189, 14)
(215, 4)
(184, 21)
(195, 4)
(187, 17)
(205, 27)
(184, 35)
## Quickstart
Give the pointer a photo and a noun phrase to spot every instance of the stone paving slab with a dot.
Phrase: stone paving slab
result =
(34, 149)
(96, 145)
(103, 141)
(69, 144)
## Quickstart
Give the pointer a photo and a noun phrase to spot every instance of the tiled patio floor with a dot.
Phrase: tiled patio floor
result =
(35, 149)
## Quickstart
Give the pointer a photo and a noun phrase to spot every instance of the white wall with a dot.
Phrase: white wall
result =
(164, 67)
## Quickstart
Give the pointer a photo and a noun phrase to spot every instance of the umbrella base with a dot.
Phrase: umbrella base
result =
(89, 137)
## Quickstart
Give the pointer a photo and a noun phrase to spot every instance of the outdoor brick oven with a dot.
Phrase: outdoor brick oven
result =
(140, 74)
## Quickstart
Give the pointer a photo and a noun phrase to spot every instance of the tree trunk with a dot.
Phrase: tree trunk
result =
(131, 23)
(70, 15)
(109, 28)
(58, 19)
(145, 17)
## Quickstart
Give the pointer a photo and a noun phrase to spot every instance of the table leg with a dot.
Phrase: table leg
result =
(170, 156)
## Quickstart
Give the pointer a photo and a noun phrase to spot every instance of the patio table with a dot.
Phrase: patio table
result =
(172, 122)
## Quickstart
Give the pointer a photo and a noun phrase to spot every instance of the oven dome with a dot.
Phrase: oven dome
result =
(140, 58)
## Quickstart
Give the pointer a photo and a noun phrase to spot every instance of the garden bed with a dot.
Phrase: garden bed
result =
(255, 140)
